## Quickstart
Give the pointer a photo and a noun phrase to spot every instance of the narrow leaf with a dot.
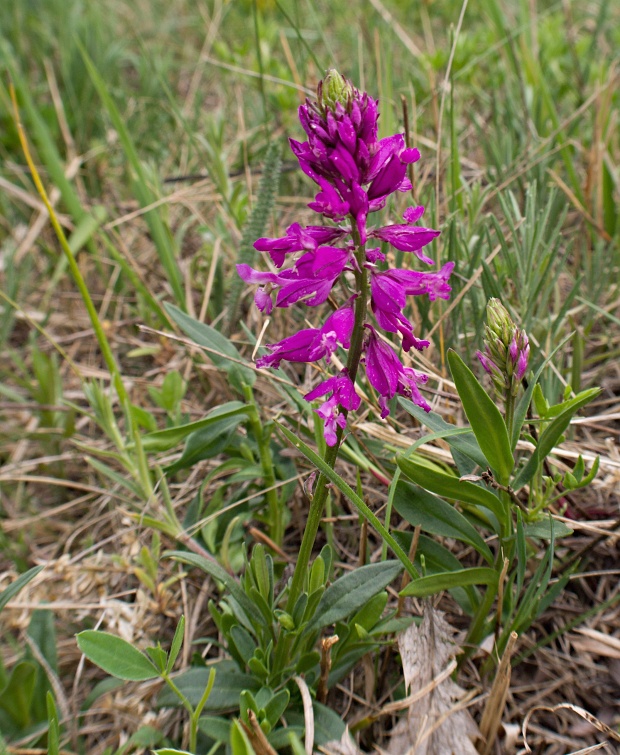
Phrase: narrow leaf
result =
(523, 405)
(162, 440)
(177, 642)
(220, 349)
(484, 417)
(217, 572)
(359, 504)
(434, 515)
(551, 435)
(460, 438)
(11, 591)
(426, 586)
(353, 591)
(452, 487)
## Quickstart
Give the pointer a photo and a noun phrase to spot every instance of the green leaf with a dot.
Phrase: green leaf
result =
(460, 438)
(177, 642)
(359, 504)
(53, 727)
(205, 444)
(551, 435)
(572, 404)
(220, 417)
(434, 515)
(239, 741)
(145, 736)
(452, 487)
(16, 697)
(484, 417)
(425, 586)
(11, 591)
(275, 708)
(224, 695)
(215, 727)
(116, 656)
(521, 552)
(543, 529)
(349, 593)
(524, 403)
(220, 349)
(219, 573)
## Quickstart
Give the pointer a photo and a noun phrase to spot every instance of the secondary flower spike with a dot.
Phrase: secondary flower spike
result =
(355, 173)
(506, 349)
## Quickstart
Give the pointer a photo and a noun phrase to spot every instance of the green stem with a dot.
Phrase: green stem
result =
(73, 266)
(510, 411)
(142, 472)
(263, 440)
(193, 728)
(321, 489)
(476, 629)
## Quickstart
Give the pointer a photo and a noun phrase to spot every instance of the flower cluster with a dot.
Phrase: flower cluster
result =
(506, 349)
(356, 172)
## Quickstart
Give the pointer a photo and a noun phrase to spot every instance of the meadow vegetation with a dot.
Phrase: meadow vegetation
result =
(156, 485)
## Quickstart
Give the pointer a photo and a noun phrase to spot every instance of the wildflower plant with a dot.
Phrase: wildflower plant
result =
(356, 172)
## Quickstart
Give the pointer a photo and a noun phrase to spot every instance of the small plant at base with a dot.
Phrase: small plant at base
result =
(490, 487)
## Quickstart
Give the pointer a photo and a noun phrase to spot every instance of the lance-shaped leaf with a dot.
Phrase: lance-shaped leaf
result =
(452, 487)
(435, 583)
(434, 515)
(484, 417)
(551, 435)
(220, 349)
(353, 591)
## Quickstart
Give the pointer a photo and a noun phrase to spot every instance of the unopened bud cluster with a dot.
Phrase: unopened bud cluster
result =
(506, 349)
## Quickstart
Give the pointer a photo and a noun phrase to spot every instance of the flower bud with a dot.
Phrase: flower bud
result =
(334, 89)
(507, 349)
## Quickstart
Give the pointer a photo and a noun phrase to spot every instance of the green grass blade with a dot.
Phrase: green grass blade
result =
(162, 237)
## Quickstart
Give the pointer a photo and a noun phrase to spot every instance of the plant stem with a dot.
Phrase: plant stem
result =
(510, 411)
(141, 466)
(321, 490)
(263, 440)
(73, 266)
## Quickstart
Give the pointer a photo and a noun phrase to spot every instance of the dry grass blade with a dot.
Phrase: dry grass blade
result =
(494, 709)
(308, 713)
(593, 720)
(346, 746)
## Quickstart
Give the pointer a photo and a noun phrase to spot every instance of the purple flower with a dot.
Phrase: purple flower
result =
(342, 394)
(407, 238)
(312, 344)
(388, 376)
(355, 173)
(297, 239)
(389, 290)
(414, 283)
(311, 279)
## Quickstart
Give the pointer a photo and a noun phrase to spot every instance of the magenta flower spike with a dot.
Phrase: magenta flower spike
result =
(355, 173)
